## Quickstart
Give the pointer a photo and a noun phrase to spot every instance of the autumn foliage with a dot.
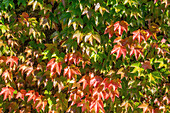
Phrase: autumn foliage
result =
(89, 56)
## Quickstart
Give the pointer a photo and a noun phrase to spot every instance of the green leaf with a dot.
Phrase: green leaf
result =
(49, 85)
(23, 2)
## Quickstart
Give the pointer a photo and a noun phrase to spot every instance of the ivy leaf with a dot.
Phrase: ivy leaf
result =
(120, 50)
(28, 69)
(126, 104)
(87, 12)
(73, 57)
(75, 96)
(7, 92)
(121, 26)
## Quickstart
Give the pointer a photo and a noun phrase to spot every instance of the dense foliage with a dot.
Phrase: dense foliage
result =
(84, 56)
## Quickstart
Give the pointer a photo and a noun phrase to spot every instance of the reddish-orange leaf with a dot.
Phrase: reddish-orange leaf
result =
(75, 96)
(137, 34)
(99, 93)
(112, 94)
(146, 65)
(120, 50)
(85, 80)
(109, 29)
(70, 71)
(165, 98)
(28, 69)
(6, 75)
(136, 51)
(121, 26)
(41, 103)
(7, 92)
(114, 84)
(2, 59)
(84, 104)
(73, 57)
(21, 94)
(54, 66)
(117, 40)
(145, 107)
(12, 60)
(95, 81)
(106, 83)
(96, 105)
(32, 95)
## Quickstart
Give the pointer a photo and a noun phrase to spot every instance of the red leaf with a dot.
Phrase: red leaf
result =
(21, 94)
(137, 34)
(41, 103)
(70, 71)
(99, 93)
(155, 1)
(32, 95)
(112, 94)
(95, 81)
(73, 57)
(120, 50)
(85, 104)
(12, 60)
(28, 69)
(75, 96)
(7, 92)
(121, 26)
(136, 51)
(54, 66)
(85, 80)
(96, 105)
(6, 75)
